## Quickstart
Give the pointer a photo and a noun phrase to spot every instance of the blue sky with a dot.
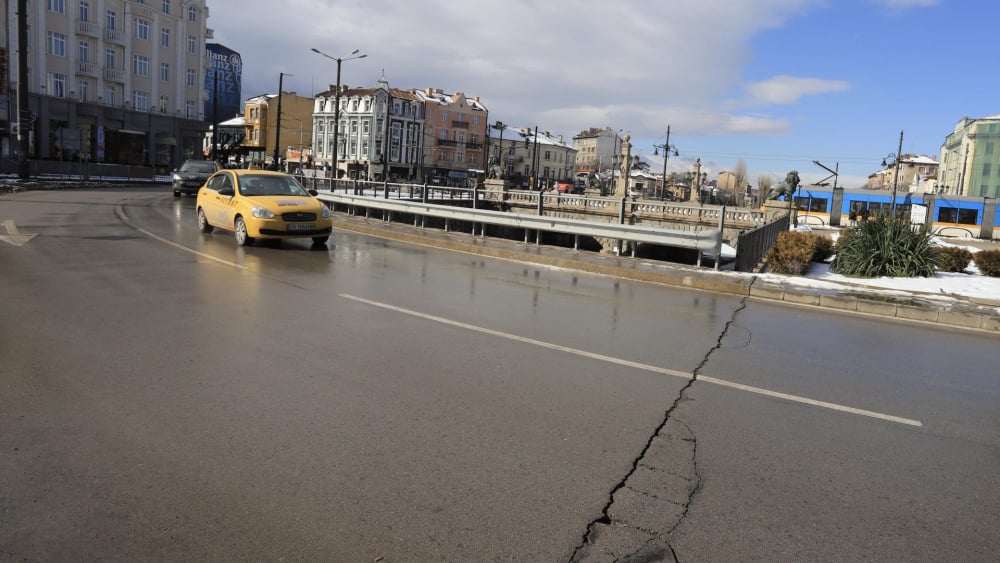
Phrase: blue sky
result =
(776, 83)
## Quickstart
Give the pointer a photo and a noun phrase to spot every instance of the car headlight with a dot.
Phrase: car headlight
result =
(325, 212)
(262, 213)
(176, 178)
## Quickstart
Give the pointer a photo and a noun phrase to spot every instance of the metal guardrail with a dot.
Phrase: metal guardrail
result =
(752, 245)
(706, 241)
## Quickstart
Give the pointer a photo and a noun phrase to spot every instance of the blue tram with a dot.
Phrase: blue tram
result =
(949, 215)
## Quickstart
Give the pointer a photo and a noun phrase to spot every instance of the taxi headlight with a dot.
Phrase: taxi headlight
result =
(325, 212)
(262, 213)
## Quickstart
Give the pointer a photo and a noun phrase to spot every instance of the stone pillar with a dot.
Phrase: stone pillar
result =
(621, 186)
(695, 190)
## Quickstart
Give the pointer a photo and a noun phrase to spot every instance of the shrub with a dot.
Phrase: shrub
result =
(952, 259)
(988, 262)
(886, 246)
(792, 253)
(824, 249)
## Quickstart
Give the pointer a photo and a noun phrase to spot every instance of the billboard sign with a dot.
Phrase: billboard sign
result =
(223, 81)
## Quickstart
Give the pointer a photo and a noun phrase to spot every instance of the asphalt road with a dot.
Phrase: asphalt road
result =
(166, 395)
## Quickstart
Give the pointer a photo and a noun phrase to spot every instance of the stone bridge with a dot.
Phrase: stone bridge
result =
(680, 216)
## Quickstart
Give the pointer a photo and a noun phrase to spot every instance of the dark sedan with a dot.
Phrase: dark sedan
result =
(192, 175)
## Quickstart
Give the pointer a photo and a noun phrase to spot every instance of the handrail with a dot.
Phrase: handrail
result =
(709, 240)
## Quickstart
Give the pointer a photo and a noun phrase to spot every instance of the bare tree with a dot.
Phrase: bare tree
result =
(741, 175)
(764, 183)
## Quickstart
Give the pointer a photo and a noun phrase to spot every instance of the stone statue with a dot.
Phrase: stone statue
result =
(786, 188)
(495, 168)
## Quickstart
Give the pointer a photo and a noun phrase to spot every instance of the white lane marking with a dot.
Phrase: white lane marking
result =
(14, 236)
(120, 211)
(638, 365)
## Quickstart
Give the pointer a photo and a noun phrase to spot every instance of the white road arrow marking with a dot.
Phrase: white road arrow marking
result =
(14, 236)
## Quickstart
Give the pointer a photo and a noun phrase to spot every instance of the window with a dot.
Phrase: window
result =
(366, 128)
(192, 44)
(987, 169)
(165, 72)
(164, 37)
(548, 156)
(189, 109)
(57, 44)
(57, 85)
(166, 6)
(140, 100)
(84, 52)
(84, 88)
(164, 102)
(192, 14)
(988, 149)
(189, 77)
(140, 65)
(84, 10)
(58, 6)
(109, 19)
(475, 120)
(444, 115)
(142, 28)
(109, 95)
(956, 215)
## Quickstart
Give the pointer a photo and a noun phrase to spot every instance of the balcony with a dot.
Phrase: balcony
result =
(114, 35)
(114, 75)
(88, 28)
(474, 146)
(89, 69)
(446, 143)
(460, 124)
(138, 9)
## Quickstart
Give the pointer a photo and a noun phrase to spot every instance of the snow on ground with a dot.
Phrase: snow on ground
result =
(945, 284)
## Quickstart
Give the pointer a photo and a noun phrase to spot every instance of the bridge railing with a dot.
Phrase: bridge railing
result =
(708, 241)
(752, 245)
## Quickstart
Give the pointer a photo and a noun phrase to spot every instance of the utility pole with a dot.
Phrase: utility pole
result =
(277, 133)
(23, 111)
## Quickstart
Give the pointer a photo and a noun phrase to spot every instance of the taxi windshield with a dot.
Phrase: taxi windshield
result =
(270, 185)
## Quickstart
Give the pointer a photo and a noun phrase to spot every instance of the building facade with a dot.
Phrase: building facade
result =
(917, 173)
(457, 129)
(261, 135)
(596, 149)
(381, 133)
(109, 80)
(970, 159)
(533, 161)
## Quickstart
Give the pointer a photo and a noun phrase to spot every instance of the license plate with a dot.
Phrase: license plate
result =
(301, 226)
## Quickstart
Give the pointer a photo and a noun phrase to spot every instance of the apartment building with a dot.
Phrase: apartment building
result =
(457, 128)
(596, 149)
(970, 159)
(533, 159)
(917, 173)
(118, 81)
(262, 138)
(381, 132)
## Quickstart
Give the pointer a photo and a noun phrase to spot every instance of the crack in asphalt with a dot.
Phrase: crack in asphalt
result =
(605, 520)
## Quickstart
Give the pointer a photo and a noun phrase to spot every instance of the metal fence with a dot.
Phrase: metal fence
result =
(752, 245)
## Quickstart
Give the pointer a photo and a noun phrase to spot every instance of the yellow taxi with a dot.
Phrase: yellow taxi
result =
(260, 204)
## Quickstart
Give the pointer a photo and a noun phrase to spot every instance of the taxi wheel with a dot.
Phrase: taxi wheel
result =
(240, 230)
(203, 225)
(320, 240)
(177, 193)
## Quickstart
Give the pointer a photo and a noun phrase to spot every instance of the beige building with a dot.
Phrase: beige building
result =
(916, 174)
(109, 80)
(596, 149)
(260, 129)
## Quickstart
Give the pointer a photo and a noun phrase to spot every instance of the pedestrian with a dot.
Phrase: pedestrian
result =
(854, 216)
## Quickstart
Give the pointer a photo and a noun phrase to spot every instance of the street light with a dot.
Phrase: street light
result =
(667, 147)
(500, 126)
(894, 158)
(277, 133)
(336, 108)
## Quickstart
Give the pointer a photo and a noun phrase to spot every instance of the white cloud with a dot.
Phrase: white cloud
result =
(563, 64)
(789, 89)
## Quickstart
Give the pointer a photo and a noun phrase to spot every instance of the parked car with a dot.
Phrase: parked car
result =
(191, 176)
(261, 204)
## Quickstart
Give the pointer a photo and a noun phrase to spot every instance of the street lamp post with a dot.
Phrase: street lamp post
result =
(500, 126)
(277, 132)
(336, 108)
(895, 159)
(667, 147)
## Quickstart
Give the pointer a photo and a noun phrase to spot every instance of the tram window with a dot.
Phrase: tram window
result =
(811, 204)
(957, 215)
